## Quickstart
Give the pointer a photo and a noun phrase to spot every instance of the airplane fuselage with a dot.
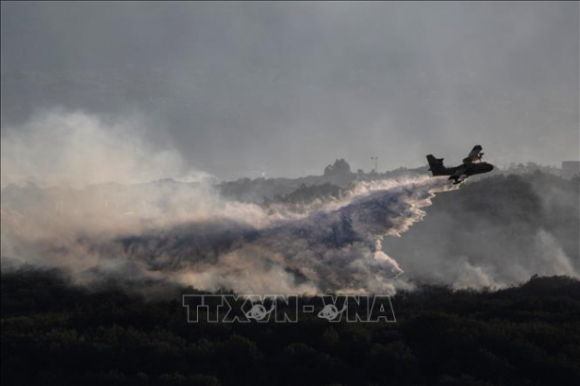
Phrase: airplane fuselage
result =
(460, 173)
(478, 168)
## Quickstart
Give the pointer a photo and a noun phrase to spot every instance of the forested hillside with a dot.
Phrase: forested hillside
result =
(53, 333)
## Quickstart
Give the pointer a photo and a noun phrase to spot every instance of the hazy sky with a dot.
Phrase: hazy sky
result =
(286, 88)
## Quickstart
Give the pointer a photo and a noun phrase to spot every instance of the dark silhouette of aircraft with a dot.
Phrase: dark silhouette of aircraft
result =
(472, 164)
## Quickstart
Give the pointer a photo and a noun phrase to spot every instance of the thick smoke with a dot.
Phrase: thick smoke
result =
(184, 231)
(72, 148)
(98, 207)
(328, 246)
(495, 234)
(334, 247)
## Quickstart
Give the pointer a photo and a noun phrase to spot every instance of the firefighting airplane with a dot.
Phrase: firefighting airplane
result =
(472, 164)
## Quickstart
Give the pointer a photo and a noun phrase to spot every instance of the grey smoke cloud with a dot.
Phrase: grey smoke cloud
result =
(72, 148)
(495, 237)
(185, 232)
(336, 247)
(281, 88)
(85, 217)
(98, 99)
(95, 210)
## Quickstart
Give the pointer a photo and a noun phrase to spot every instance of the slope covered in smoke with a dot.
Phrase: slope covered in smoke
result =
(492, 232)
(189, 234)
(95, 214)
(333, 245)
(496, 231)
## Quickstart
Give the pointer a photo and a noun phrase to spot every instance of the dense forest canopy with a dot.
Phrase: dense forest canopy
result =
(56, 333)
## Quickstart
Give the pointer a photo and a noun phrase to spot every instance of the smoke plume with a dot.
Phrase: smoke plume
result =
(95, 212)
(100, 205)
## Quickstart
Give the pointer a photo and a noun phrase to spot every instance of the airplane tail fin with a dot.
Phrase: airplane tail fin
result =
(436, 166)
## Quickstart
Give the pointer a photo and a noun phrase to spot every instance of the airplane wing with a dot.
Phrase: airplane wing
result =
(474, 155)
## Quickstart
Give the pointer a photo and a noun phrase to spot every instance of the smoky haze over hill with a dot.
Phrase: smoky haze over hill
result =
(339, 231)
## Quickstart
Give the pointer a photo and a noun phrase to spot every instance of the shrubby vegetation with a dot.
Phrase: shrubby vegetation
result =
(57, 333)
(338, 174)
(307, 193)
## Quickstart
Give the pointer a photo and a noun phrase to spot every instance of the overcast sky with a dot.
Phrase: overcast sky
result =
(285, 88)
